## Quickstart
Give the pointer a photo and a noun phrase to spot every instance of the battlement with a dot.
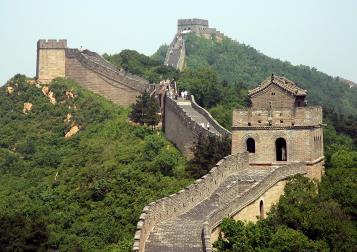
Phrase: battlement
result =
(192, 25)
(192, 21)
(310, 116)
(52, 44)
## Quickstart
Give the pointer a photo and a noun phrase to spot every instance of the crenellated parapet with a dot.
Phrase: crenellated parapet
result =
(52, 44)
(221, 130)
(231, 186)
(185, 121)
(90, 70)
(180, 202)
(299, 117)
(251, 194)
(98, 64)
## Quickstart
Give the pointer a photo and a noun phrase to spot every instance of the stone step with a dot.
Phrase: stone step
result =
(184, 233)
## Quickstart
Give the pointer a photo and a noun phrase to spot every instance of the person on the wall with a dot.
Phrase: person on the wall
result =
(283, 153)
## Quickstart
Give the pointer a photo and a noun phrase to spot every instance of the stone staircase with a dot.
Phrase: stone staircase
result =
(184, 233)
(176, 53)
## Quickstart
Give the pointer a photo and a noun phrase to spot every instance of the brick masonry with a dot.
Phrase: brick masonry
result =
(51, 58)
(279, 111)
(183, 124)
(90, 70)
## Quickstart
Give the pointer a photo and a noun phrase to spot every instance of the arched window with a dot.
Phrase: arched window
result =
(280, 148)
(261, 209)
(250, 145)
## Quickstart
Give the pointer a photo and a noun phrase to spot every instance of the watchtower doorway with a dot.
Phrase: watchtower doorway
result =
(280, 149)
(250, 145)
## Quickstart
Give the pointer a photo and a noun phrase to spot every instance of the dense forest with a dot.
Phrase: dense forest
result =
(85, 192)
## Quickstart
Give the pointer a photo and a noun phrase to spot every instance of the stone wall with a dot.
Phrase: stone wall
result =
(183, 130)
(300, 144)
(280, 173)
(178, 203)
(92, 72)
(284, 117)
(176, 53)
(209, 118)
(179, 128)
(269, 198)
(200, 27)
(51, 59)
(278, 98)
(194, 24)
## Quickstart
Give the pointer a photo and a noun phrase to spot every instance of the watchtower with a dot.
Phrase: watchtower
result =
(279, 128)
(51, 59)
(194, 25)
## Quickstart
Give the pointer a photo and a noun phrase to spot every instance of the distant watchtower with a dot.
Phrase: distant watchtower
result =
(279, 128)
(51, 59)
(194, 25)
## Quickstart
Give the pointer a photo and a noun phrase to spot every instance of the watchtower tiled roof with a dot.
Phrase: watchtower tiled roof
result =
(282, 82)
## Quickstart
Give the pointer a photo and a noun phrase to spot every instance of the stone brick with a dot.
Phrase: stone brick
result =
(278, 111)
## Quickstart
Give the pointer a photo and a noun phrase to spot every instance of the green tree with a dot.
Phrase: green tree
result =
(208, 150)
(145, 110)
(203, 83)
(152, 118)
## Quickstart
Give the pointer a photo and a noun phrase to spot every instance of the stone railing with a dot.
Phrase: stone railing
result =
(110, 72)
(188, 121)
(179, 203)
(206, 237)
(248, 197)
(209, 118)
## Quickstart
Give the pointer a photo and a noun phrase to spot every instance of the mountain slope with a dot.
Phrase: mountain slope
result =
(238, 63)
(84, 192)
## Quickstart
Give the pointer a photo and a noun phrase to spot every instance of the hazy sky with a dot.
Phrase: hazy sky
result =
(319, 33)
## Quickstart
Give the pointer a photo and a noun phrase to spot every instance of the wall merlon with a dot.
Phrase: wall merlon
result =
(180, 202)
(192, 21)
(52, 44)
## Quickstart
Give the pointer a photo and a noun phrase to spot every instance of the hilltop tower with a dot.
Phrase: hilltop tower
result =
(51, 59)
(279, 128)
(194, 25)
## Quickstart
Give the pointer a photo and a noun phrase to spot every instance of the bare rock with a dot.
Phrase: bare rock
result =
(27, 107)
(9, 90)
(72, 131)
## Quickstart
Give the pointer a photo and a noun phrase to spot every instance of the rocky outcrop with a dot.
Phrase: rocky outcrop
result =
(9, 90)
(27, 107)
(51, 96)
(74, 130)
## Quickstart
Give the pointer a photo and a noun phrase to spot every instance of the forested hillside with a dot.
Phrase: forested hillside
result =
(239, 63)
(85, 192)
(80, 193)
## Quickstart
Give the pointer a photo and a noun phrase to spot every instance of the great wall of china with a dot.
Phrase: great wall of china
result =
(277, 138)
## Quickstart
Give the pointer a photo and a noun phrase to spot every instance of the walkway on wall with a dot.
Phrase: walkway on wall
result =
(196, 116)
(201, 117)
(176, 53)
(184, 233)
(93, 72)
